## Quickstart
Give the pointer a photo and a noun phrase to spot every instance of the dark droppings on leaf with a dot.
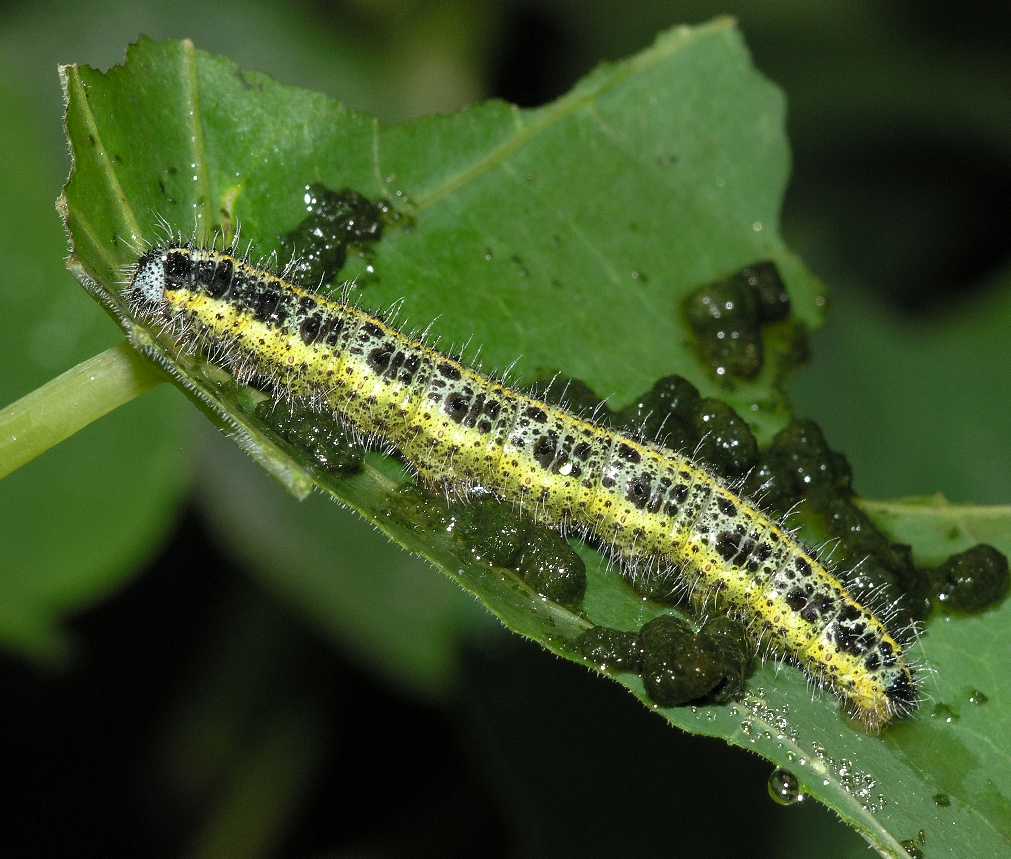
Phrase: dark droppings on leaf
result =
(730, 643)
(493, 533)
(673, 413)
(724, 318)
(335, 222)
(764, 281)
(725, 440)
(797, 465)
(727, 317)
(328, 446)
(485, 525)
(664, 412)
(876, 562)
(803, 465)
(552, 568)
(971, 581)
(914, 847)
(678, 666)
(610, 649)
(422, 511)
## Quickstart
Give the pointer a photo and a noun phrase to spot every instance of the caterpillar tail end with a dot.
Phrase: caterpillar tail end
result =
(876, 709)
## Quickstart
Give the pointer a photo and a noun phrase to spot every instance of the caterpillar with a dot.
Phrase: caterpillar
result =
(653, 508)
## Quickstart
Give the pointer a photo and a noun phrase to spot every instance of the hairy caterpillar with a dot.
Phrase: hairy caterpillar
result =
(654, 508)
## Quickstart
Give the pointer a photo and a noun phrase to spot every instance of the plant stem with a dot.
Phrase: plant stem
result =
(48, 415)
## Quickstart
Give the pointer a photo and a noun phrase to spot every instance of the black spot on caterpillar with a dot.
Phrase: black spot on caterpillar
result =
(654, 509)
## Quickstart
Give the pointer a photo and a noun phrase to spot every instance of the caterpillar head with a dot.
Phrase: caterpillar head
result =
(903, 693)
(149, 280)
(160, 270)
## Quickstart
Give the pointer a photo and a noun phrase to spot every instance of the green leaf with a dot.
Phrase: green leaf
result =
(570, 234)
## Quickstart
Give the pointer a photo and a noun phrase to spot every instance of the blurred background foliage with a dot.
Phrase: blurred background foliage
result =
(194, 663)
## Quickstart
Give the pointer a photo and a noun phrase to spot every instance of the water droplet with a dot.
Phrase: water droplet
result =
(944, 713)
(942, 800)
(977, 697)
(784, 787)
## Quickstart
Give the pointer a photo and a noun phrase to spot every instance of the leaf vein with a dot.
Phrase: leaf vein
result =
(191, 96)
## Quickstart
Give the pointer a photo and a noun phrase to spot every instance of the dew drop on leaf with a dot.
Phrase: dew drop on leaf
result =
(784, 787)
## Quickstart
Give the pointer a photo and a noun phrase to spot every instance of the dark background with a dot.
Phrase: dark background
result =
(197, 713)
